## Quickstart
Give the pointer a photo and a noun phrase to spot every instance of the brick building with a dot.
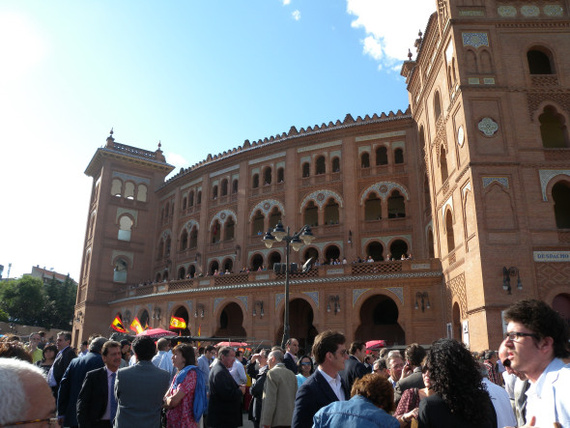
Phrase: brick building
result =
(473, 180)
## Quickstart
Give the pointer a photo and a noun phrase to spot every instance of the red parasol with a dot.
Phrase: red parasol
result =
(156, 333)
(231, 344)
(374, 345)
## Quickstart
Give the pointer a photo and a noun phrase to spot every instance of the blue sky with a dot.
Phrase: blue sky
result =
(199, 76)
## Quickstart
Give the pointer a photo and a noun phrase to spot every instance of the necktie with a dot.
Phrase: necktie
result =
(112, 400)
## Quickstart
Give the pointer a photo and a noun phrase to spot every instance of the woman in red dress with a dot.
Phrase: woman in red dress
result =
(179, 399)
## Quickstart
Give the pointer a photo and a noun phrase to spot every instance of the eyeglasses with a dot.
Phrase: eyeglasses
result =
(52, 422)
(306, 364)
(512, 335)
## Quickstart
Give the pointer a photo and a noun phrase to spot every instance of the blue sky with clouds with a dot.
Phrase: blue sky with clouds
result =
(200, 76)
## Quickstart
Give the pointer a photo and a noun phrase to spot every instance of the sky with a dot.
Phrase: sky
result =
(198, 76)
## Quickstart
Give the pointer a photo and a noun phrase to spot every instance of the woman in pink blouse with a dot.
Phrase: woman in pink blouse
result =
(179, 399)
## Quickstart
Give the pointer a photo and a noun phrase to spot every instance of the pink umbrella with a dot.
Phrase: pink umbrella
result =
(157, 333)
(231, 344)
(375, 344)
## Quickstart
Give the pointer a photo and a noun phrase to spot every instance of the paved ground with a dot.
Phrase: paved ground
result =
(247, 423)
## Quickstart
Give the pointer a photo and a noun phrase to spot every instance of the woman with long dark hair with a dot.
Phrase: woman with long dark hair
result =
(460, 399)
(49, 353)
(306, 369)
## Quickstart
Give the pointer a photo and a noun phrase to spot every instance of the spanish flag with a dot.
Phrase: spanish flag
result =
(117, 325)
(136, 326)
(177, 323)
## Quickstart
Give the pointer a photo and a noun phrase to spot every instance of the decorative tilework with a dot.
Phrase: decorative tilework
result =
(488, 80)
(243, 299)
(222, 216)
(553, 10)
(190, 224)
(548, 174)
(266, 206)
(217, 301)
(488, 126)
(503, 181)
(169, 307)
(320, 197)
(507, 11)
(530, 11)
(314, 296)
(357, 293)
(383, 190)
(471, 13)
(189, 305)
(399, 292)
(473, 80)
(475, 39)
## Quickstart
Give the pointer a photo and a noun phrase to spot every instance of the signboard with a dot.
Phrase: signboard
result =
(465, 328)
(551, 256)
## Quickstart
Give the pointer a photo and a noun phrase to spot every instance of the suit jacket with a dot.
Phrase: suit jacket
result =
(139, 390)
(278, 396)
(415, 380)
(256, 392)
(353, 369)
(224, 407)
(71, 385)
(61, 362)
(290, 363)
(314, 394)
(93, 398)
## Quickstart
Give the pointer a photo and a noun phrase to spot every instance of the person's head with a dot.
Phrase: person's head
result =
(15, 350)
(63, 340)
(305, 365)
(125, 346)
(210, 351)
(163, 344)
(239, 354)
(183, 355)
(425, 374)
(536, 334)
(29, 398)
(379, 367)
(377, 389)
(227, 356)
(292, 346)
(415, 354)
(329, 350)
(35, 340)
(144, 348)
(97, 344)
(111, 354)
(395, 366)
(383, 353)
(274, 358)
(49, 352)
(491, 356)
(358, 350)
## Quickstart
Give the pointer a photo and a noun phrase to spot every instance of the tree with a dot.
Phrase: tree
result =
(61, 300)
(23, 300)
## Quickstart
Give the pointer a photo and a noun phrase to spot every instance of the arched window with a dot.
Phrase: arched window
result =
(336, 164)
(539, 61)
(320, 166)
(130, 190)
(311, 252)
(184, 240)
(561, 196)
(382, 155)
(125, 226)
(117, 188)
(443, 165)
(274, 217)
(214, 268)
(160, 251)
(165, 276)
(215, 192)
(431, 251)
(274, 257)
(166, 211)
(398, 156)
(312, 214)
(191, 198)
(167, 244)
(372, 207)
(193, 237)
(437, 106)
(199, 197)
(553, 129)
(141, 193)
(376, 251)
(427, 197)
(229, 227)
(235, 186)
(120, 271)
(449, 231)
(306, 170)
(192, 271)
(255, 181)
(365, 160)
(280, 175)
(399, 248)
(181, 273)
(256, 262)
(267, 176)
(257, 223)
(224, 187)
(184, 203)
(332, 254)
(396, 205)
(216, 232)
(331, 212)
(228, 265)
(158, 277)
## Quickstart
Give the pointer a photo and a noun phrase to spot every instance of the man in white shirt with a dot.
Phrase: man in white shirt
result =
(163, 358)
(238, 370)
(500, 399)
(537, 339)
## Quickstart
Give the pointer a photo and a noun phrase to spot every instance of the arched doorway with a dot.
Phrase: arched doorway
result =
(230, 322)
(181, 312)
(331, 253)
(375, 250)
(379, 320)
(300, 325)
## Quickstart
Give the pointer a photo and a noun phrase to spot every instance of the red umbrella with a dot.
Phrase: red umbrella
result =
(157, 333)
(375, 344)
(231, 344)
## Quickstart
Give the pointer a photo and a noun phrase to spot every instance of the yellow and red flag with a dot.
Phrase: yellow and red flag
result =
(117, 325)
(199, 330)
(136, 326)
(177, 323)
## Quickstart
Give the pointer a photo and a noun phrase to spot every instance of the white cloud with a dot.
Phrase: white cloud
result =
(286, 2)
(177, 160)
(390, 27)
(296, 15)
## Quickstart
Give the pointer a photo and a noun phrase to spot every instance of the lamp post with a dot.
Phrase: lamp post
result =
(304, 235)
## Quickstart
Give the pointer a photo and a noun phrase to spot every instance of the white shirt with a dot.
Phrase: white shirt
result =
(335, 384)
(238, 373)
(163, 361)
(501, 403)
(548, 398)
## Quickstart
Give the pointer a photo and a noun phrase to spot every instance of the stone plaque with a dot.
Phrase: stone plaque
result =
(551, 256)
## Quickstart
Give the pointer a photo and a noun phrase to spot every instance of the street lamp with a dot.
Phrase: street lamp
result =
(303, 236)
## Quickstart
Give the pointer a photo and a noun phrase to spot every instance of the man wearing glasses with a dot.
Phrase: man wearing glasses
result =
(537, 339)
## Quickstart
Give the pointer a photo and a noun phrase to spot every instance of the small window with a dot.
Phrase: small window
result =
(117, 188)
(199, 197)
(280, 175)
(398, 156)
(336, 165)
(235, 186)
(125, 225)
(120, 271)
(320, 167)
(443, 165)
(224, 190)
(191, 198)
(539, 62)
(267, 176)
(553, 129)
(449, 232)
(437, 106)
(141, 193)
(561, 196)
(381, 156)
(306, 170)
(255, 183)
(130, 190)
(215, 192)
(365, 160)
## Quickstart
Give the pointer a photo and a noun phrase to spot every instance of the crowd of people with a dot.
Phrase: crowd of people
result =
(107, 383)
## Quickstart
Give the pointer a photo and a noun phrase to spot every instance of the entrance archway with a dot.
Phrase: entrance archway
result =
(230, 323)
(379, 320)
(181, 312)
(300, 325)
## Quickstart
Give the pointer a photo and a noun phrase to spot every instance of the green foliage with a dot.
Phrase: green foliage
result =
(28, 301)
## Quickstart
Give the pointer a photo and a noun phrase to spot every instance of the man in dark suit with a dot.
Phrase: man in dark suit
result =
(290, 360)
(64, 356)
(224, 407)
(412, 373)
(73, 379)
(354, 368)
(325, 385)
(96, 405)
(140, 389)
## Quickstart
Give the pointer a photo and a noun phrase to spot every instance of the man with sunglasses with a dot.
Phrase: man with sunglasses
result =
(537, 340)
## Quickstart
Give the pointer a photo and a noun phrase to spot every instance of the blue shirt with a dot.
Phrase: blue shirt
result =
(356, 412)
